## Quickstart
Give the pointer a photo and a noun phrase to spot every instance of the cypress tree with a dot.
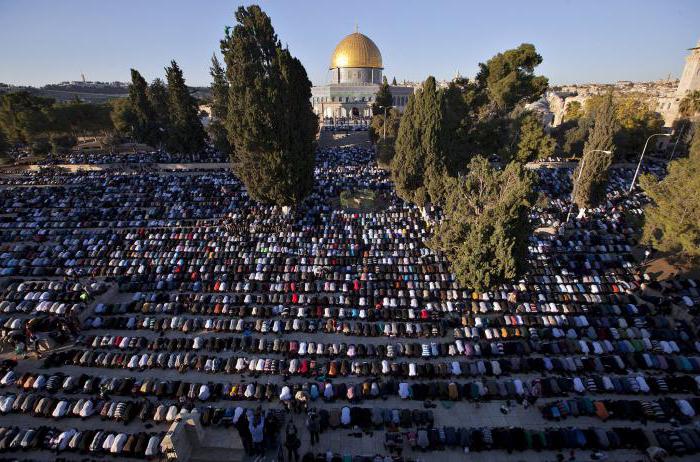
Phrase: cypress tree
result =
(589, 190)
(144, 127)
(185, 131)
(158, 99)
(219, 106)
(429, 143)
(270, 122)
(382, 99)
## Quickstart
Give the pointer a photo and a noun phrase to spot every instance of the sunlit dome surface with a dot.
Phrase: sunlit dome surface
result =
(356, 50)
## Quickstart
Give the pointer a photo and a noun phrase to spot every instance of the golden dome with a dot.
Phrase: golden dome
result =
(356, 50)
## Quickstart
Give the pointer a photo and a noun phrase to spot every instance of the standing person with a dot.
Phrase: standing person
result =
(292, 443)
(241, 424)
(313, 424)
(257, 431)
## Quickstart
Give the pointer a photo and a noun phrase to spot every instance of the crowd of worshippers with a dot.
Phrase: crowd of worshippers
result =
(93, 442)
(341, 306)
(661, 410)
(207, 155)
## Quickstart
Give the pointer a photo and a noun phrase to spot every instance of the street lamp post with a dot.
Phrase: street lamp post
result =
(636, 172)
(580, 170)
(384, 135)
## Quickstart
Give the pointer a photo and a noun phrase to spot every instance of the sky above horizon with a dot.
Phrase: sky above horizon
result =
(48, 41)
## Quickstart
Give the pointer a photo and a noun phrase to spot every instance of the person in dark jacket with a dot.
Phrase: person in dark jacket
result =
(244, 432)
(313, 424)
(292, 443)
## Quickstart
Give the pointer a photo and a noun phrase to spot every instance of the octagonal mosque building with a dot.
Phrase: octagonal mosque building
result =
(355, 74)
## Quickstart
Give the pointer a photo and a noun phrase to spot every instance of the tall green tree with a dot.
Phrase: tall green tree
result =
(485, 229)
(158, 99)
(496, 99)
(382, 99)
(589, 188)
(509, 77)
(23, 116)
(672, 219)
(185, 131)
(4, 146)
(430, 143)
(271, 124)
(219, 106)
(144, 127)
(533, 141)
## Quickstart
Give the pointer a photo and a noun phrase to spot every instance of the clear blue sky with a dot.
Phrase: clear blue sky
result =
(44, 41)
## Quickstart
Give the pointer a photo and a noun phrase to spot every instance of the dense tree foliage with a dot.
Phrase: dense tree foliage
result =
(144, 127)
(27, 119)
(385, 147)
(574, 134)
(158, 98)
(376, 126)
(485, 230)
(533, 141)
(40, 146)
(690, 104)
(160, 114)
(123, 117)
(24, 117)
(184, 132)
(429, 144)
(382, 99)
(573, 111)
(694, 150)
(508, 78)
(78, 118)
(4, 146)
(219, 107)
(672, 220)
(496, 100)
(270, 122)
(62, 143)
(635, 120)
(589, 188)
